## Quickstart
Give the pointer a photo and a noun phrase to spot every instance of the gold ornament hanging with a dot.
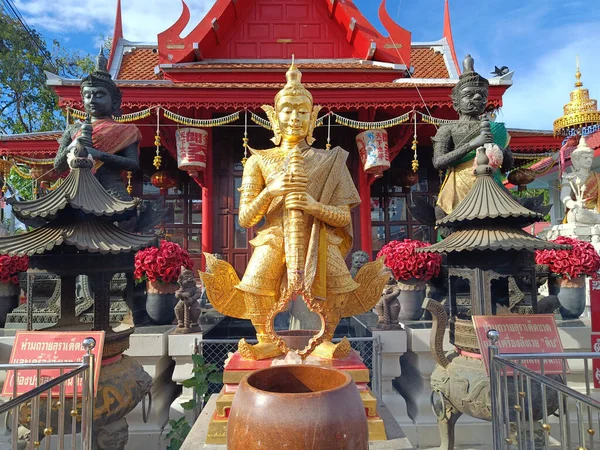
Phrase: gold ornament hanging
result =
(129, 186)
(157, 159)
(245, 140)
(415, 161)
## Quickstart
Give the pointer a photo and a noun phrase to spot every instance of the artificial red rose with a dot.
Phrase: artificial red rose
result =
(581, 259)
(161, 264)
(405, 263)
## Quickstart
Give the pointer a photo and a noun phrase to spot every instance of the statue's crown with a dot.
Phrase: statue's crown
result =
(469, 77)
(101, 77)
(293, 87)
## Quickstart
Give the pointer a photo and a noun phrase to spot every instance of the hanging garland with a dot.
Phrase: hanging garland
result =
(434, 120)
(22, 174)
(262, 122)
(33, 162)
(360, 125)
(131, 117)
(201, 122)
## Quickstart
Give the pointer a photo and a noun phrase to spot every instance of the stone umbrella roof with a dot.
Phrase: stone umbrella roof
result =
(93, 236)
(86, 223)
(80, 190)
(488, 200)
(488, 218)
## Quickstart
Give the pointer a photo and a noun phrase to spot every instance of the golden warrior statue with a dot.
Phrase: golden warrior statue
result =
(305, 195)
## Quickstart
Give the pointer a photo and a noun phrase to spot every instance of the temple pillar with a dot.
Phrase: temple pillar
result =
(364, 191)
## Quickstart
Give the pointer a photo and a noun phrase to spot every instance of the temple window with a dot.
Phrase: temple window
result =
(390, 217)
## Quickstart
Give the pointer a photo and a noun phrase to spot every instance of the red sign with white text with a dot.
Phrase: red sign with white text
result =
(31, 347)
(534, 333)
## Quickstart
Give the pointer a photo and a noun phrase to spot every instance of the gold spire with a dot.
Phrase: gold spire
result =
(294, 86)
(580, 111)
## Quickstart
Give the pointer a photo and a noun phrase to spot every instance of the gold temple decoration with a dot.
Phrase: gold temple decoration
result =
(129, 186)
(125, 118)
(581, 110)
(157, 158)
(328, 145)
(206, 123)
(415, 161)
(245, 140)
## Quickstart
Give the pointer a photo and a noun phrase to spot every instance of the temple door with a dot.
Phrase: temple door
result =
(230, 239)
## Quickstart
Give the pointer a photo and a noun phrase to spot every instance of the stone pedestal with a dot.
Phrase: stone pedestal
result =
(181, 347)
(237, 368)
(392, 348)
(587, 233)
(149, 347)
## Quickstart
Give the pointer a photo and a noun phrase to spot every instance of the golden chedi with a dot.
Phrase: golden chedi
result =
(301, 248)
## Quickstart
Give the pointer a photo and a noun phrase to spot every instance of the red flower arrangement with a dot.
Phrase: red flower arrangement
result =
(10, 266)
(582, 259)
(406, 264)
(162, 263)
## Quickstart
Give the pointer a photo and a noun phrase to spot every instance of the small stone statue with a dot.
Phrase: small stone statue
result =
(388, 307)
(579, 191)
(359, 259)
(188, 308)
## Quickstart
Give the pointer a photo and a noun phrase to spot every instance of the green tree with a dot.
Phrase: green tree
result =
(26, 103)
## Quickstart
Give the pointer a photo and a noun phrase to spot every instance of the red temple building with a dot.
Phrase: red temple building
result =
(235, 60)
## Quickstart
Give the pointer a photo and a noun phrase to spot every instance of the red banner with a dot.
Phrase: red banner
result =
(32, 347)
(534, 333)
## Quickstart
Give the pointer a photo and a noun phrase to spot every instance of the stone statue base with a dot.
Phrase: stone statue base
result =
(587, 233)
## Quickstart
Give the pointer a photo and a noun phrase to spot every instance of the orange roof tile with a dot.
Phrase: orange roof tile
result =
(40, 136)
(139, 64)
(428, 63)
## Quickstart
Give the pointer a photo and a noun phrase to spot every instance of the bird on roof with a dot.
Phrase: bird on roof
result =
(500, 71)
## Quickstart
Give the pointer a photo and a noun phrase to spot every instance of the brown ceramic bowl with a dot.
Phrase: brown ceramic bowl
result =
(297, 407)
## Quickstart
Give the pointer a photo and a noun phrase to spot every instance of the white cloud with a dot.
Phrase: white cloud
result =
(542, 86)
(142, 19)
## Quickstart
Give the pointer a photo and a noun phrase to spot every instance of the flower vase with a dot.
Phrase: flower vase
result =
(9, 299)
(160, 302)
(570, 293)
(412, 294)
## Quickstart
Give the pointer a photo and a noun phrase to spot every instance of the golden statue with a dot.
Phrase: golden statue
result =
(305, 195)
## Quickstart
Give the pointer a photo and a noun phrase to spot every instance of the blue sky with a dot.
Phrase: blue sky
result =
(538, 39)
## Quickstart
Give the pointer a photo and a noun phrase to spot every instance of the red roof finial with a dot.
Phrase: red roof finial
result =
(448, 34)
(117, 34)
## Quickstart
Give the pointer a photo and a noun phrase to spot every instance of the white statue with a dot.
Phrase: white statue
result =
(580, 188)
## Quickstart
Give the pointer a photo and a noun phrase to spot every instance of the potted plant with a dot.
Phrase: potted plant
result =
(568, 271)
(160, 268)
(412, 270)
(10, 266)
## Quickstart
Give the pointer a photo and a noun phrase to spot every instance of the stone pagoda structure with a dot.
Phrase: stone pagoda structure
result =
(80, 236)
(485, 247)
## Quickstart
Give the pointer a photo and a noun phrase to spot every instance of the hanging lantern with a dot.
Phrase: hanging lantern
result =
(521, 178)
(407, 178)
(163, 180)
(192, 145)
(373, 151)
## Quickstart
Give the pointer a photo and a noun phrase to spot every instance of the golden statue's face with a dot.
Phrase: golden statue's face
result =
(293, 114)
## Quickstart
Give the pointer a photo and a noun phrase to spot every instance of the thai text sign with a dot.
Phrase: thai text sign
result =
(535, 333)
(32, 347)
